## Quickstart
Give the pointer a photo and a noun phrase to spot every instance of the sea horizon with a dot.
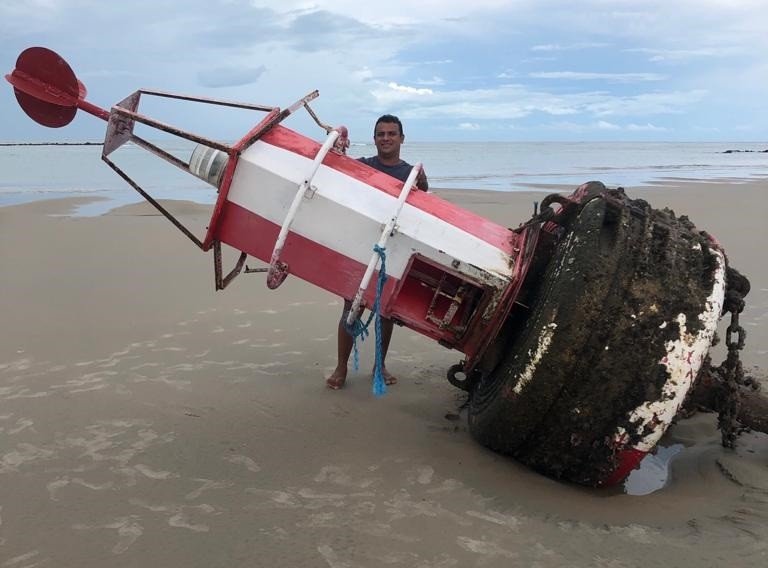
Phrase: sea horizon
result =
(75, 168)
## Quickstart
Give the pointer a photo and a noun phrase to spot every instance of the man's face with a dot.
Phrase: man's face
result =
(388, 139)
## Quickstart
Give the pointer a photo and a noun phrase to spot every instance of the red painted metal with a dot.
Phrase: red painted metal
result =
(627, 460)
(45, 87)
(48, 90)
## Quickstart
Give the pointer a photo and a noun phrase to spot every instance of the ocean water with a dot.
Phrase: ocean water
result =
(32, 173)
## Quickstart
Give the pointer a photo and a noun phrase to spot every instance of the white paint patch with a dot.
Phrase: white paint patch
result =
(545, 340)
(683, 360)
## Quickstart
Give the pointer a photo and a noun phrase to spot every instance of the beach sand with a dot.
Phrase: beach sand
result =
(147, 420)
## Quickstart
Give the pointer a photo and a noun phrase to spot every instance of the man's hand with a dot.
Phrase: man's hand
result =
(421, 180)
(342, 142)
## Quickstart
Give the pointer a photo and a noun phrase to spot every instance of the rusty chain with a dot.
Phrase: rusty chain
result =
(731, 371)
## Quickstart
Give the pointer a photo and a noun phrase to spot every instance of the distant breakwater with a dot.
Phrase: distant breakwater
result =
(51, 143)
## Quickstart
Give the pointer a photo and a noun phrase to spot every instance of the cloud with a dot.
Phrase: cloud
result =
(468, 126)
(656, 54)
(28, 16)
(397, 12)
(108, 74)
(603, 125)
(571, 47)
(582, 76)
(514, 102)
(647, 127)
(230, 76)
(646, 104)
(409, 90)
(325, 30)
(241, 26)
(363, 74)
(435, 81)
(436, 62)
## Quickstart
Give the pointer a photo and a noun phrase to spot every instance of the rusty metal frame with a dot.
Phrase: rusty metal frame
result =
(170, 129)
(121, 121)
(222, 282)
(207, 100)
(152, 201)
(455, 303)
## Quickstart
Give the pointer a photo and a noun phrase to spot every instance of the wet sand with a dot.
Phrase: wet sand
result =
(147, 420)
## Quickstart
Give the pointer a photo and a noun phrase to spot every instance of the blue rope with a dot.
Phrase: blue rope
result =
(379, 386)
(357, 329)
(360, 329)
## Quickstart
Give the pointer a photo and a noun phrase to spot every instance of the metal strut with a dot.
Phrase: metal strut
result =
(221, 281)
(278, 270)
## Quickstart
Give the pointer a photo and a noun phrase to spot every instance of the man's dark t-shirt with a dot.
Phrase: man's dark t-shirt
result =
(400, 171)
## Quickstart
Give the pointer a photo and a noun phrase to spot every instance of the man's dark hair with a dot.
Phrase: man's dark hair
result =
(390, 118)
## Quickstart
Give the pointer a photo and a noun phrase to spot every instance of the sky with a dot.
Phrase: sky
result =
(452, 70)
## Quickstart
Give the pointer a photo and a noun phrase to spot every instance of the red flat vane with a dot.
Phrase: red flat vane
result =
(47, 88)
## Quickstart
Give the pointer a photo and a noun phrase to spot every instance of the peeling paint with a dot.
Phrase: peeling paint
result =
(545, 340)
(683, 360)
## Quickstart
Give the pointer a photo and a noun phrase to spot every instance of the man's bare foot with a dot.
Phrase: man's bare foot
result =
(336, 380)
(389, 378)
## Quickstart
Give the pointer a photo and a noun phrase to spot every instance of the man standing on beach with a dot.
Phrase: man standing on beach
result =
(388, 137)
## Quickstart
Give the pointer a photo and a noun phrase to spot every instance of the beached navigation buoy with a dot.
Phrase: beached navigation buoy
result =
(583, 331)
